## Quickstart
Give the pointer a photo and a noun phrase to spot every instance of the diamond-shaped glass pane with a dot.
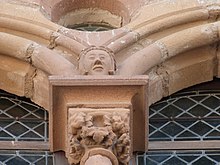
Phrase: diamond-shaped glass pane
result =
(171, 111)
(25, 158)
(16, 129)
(192, 117)
(184, 103)
(200, 128)
(199, 111)
(212, 102)
(21, 120)
(5, 103)
(172, 129)
(203, 161)
(179, 158)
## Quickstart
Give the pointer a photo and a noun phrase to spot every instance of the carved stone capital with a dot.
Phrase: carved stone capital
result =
(99, 129)
(102, 113)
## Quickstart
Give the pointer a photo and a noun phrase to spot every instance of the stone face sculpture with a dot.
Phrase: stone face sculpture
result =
(96, 60)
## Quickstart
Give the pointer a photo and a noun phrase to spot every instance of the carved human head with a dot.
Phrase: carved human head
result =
(96, 60)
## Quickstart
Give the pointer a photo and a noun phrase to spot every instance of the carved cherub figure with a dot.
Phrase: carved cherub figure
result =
(97, 60)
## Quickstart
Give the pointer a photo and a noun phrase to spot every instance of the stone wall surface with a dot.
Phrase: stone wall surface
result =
(174, 42)
(194, 23)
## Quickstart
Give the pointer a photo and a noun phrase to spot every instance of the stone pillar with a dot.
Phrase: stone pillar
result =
(99, 120)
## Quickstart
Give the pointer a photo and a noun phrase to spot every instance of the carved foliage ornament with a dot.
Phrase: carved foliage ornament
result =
(98, 129)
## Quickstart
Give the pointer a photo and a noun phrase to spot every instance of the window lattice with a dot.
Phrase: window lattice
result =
(21, 120)
(179, 158)
(25, 158)
(195, 116)
(191, 116)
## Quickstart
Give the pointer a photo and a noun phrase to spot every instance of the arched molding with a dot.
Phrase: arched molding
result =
(16, 76)
(155, 54)
(180, 56)
(54, 36)
(57, 9)
(168, 47)
(38, 55)
(147, 27)
(31, 64)
(159, 17)
(187, 69)
(26, 27)
(22, 79)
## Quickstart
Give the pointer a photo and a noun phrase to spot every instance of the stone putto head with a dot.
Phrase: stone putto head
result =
(97, 60)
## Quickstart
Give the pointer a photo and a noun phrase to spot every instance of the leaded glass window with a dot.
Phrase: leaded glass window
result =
(199, 157)
(91, 27)
(23, 132)
(194, 116)
(20, 157)
(184, 128)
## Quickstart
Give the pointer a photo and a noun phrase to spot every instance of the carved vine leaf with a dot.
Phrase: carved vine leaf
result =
(113, 133)
(120, 125)
(76, 151)
(102, 136)
(122, 148)
(76, 121)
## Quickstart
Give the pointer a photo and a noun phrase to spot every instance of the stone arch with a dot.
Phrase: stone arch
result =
(26, 61)
(182, 71)
(39, 54)
(168, 47)
(61, 7)
(193, 26)
(38, 45)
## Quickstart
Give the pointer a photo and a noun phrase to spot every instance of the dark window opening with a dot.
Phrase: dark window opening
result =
(91, 27)
(23, 132)
(184, 128)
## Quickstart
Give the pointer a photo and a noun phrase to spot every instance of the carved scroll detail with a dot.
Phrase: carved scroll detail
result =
(108, 130)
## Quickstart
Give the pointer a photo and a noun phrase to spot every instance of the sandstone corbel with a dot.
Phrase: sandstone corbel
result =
(98, 118)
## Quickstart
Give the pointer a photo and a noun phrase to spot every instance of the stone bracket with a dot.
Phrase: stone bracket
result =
(101, 116)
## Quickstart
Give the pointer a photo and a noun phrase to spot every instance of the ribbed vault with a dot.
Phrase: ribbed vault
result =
(174, 42)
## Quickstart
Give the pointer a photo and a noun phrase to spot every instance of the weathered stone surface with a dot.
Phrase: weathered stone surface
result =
(105, 128)
(190, 68)
(96, 120)
(41, 89)
(167, 7)
(156, 89)
(14, 46)
(57, 9)
(218, 63)
(24, 11)
(167, 39)
(98, 159)
(16, 76)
